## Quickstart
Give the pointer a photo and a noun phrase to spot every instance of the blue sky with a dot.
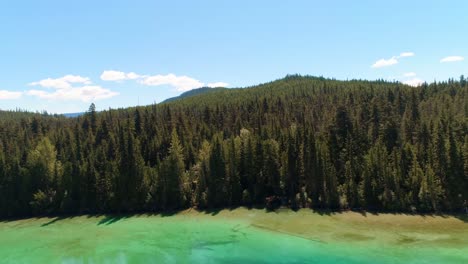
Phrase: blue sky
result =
(60, 56)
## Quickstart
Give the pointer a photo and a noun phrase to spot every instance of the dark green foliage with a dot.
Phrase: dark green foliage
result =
(298, 141)
(171, 177)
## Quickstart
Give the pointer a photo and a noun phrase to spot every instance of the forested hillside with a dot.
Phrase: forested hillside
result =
(191, 93)
(299, 141)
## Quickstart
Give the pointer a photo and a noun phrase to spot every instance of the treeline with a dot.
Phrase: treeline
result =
(298, 141)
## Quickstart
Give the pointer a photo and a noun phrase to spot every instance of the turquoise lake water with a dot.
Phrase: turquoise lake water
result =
(198, 239)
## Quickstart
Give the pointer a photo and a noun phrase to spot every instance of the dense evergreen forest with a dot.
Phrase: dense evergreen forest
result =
(298, 141)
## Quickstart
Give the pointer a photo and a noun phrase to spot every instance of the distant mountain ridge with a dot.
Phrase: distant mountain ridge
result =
(193, 92)
(71, 115)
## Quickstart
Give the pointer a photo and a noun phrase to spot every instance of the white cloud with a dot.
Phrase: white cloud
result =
(217, 84)
(6, 95)
(85, 93)
(133, 76)
(452, 59)
(64, 82)
(66, 91)
(392, 61)
(181, 83)
(119, 76)
(414, 82)
(406, 54)
(409, 74)
(384, 63)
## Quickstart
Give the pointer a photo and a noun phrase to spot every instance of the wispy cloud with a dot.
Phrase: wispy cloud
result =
(452, 59)
(409, 74)
(64, 82)
(8, 95)
(118, 76)
(180, 83)
(85, 94)
(406, 54)
(409, 78)
(414, 82)
(384, 63)
(65, 89)
(217, 84)
(392, 61)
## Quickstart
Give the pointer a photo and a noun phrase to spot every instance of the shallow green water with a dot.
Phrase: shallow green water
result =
(195, 239)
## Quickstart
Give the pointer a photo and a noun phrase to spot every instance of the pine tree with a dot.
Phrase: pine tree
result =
(202, 172)
(234, 185)
(217, 193)
(92, 116)
(171, 175)
(415, 177)
(455, 172)
(44, 169)
(271, 168)
(430, 192)
(465, 165)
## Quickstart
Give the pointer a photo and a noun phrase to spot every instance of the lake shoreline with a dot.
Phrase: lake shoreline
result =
(461, 216)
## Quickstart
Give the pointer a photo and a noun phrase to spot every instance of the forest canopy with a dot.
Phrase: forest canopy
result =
(299, 141)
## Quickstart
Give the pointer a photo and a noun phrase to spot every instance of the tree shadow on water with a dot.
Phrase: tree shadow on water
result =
(462, 216)
(111, 219)
(106, 220)
(55, 220)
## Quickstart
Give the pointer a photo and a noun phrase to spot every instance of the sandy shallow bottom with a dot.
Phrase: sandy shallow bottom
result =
(237, 236)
